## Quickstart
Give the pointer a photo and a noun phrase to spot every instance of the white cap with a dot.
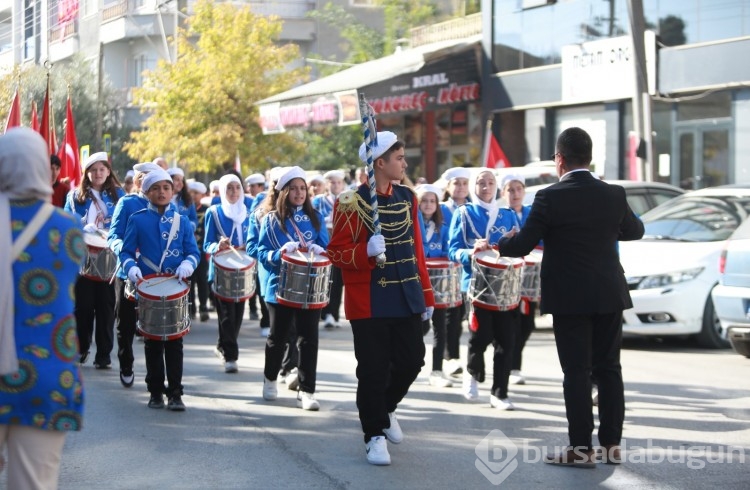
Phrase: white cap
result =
(214, 185)
(456, 173)
(255, 179)
(386, 139)
(276, 173)
(199, 187)
(423, 189)
(129, 174)
(315, 178)
(146, 167)
(175, 171)
(289, 174)
(334, 174)
(153, 177)
(507, 179)
(100, 156)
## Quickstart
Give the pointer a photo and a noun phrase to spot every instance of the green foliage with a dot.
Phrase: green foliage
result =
(362, 43)
(331, 148)
(202, 107)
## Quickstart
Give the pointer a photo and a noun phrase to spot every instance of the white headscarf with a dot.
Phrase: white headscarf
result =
(237, 212)
(492, 207)
(24, 174)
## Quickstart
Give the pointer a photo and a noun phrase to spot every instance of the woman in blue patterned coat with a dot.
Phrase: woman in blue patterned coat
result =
(41, 393)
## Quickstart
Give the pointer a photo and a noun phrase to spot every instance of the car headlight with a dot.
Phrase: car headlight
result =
(663, 280)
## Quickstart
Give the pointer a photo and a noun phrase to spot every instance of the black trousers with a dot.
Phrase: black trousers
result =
(390, 353)
(264, 321)
(158, 353)
(528, 324)
(199, 280)
(590, 345)
(439, 335)
(453, 330)
(337, 290)
(230, 320)
(498, 328)
(126, 318)
(306, 321)
(95, 300)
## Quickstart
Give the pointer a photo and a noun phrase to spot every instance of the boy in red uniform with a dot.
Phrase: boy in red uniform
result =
(387, 324)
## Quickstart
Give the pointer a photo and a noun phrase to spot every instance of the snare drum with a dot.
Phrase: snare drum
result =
(445, 277)
(100, 261)
(304, 281)
(234, 275)
(531, 280)
(163, 307)
(495, 281)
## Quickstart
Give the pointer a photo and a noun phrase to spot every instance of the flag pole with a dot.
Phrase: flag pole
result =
(486, 142)
(370, 135)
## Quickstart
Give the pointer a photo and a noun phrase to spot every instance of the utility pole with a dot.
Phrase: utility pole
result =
(641, 98)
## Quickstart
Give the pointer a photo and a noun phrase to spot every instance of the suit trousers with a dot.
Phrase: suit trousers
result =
(390, 354)
(586, 345)
(126, 319)
(528, 324)
(95, 300)
(498, 328)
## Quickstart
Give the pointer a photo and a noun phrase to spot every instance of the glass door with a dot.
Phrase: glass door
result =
(702, 156)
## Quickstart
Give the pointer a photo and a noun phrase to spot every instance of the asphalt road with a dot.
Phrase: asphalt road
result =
(687, 426)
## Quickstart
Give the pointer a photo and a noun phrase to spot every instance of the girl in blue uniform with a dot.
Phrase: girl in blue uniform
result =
(292, 225)
(435, 246)
(182, 198)
(226, 227)
(94, 201)
(164, 247)
(478, 226)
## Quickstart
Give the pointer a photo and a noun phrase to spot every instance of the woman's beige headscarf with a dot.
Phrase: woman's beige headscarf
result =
(24, 174)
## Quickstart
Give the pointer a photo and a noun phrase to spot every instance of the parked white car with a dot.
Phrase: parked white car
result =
(732, 295)
(673, 269)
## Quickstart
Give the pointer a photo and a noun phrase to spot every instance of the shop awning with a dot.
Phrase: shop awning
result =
(333, 100)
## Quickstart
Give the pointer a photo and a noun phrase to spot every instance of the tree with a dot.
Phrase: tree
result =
(202, 107)
(79, 76)
(672, 31)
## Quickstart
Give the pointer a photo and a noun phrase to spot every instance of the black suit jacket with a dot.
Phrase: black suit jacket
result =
(580, 219)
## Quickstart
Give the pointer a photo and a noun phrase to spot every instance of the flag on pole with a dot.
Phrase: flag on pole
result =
(14, 115)
(44, 127)
(237, 165)
(69, 163)
(493, 156)
(34, 117)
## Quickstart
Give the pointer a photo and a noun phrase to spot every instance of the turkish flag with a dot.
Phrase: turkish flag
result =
(14, 115)
(495, 156)
(69, 164)
(34, 117)
(45, 128)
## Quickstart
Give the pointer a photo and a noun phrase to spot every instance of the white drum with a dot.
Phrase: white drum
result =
(304, 281)
(234, 275)
(495, 281)
(531, 280)
(163, 307)
(100, 261)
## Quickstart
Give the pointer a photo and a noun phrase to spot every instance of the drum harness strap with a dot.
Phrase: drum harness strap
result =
(172, 233)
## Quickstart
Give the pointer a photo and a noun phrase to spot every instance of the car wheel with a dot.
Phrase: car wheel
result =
(710, 335)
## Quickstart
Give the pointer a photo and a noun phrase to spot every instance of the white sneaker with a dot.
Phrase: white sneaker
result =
(230, 367)
(307, 401)
(377, 451)
(265, 331)
(452, 367)
(270, 391)
(516, 378)
(469, 387)
(292, 380)
(218, 353)
(437, 379)
(595, 395)
(329, 322)
(501, 403)
(393, 433)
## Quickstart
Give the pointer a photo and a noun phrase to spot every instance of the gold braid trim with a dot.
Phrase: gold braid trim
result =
(383, 282)
(350, 202)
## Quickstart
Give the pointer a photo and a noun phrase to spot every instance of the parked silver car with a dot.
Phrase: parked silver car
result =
(732, 295)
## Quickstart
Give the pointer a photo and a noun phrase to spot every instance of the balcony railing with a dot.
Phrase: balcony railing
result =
(61, 32)
(117, 9)
(445, 31)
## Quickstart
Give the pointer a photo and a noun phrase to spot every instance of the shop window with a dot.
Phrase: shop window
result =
(459, 126)
(443, 128)
(711, 106)
(414, 131)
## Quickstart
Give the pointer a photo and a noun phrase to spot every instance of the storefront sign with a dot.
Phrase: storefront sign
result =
(339, 109)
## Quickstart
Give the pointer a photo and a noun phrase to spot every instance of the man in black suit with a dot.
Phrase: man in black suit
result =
(581, 219)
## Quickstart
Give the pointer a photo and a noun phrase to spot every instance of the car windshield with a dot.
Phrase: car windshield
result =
(696, 218)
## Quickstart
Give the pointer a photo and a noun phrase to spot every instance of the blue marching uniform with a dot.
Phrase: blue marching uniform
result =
(272, 238)
(457, 314)
(148, 232)
(471, 223)
(324, 205)
(436, 246)
(187, 211)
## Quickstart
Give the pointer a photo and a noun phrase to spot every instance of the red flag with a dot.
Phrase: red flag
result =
(494, 155)
(14, 115)
(44, 128)
(69, 165)
(34, 117)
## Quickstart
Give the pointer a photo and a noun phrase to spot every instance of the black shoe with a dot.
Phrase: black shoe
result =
(127, 379)
(204, 316)
(156, 401)
(82, 359)
(254, 316)
(102, 365)
(175, 404)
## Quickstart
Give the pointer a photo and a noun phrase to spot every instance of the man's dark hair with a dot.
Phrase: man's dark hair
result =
(55, 160)
(574, 144)
(395, 147)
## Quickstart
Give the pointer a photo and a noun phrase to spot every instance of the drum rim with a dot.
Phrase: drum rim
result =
(224, 268)
(301, 306)
(440, 263)
(152, 297)
(515, 263)
(293, 260)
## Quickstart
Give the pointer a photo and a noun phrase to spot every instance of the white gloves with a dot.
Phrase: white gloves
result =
(290, 247)
(376, 245)
(316, 249)
(184, 270)
(134, 274)
(90, 228)
(427, 315)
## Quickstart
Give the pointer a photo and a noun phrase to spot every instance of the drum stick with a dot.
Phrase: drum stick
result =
(164, 279)
(236, 253)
